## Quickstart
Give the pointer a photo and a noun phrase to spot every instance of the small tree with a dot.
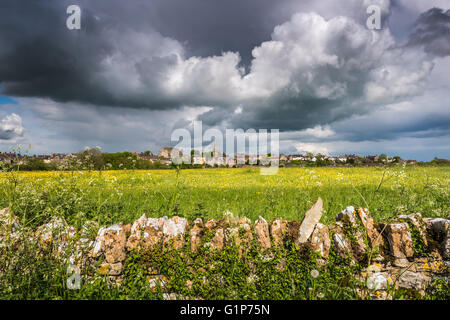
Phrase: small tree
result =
(91, 158)
(148, 153)
(397, 159)
(383, 157)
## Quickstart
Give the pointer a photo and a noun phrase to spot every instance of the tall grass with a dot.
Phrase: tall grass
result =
(108, 197)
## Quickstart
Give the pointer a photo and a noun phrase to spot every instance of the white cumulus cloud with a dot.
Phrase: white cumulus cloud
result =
(11, 128)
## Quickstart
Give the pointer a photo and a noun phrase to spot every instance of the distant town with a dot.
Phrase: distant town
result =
(169, 157)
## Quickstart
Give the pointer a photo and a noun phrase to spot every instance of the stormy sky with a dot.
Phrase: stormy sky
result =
(139, 69)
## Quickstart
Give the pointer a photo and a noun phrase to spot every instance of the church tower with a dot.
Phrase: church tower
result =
(215, 152)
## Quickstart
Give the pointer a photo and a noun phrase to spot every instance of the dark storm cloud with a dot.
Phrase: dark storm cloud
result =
(47, 60)
(43, 58)
(335, 74)
(312, 69)
(211, 27)
(432, 31)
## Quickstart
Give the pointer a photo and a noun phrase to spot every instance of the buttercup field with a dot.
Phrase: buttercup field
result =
(64, 212)
(110, 197)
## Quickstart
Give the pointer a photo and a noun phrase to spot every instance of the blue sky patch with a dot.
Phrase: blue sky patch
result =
(7, 100)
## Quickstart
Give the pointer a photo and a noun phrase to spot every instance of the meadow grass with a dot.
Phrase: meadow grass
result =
(29, 271)
(122, 196)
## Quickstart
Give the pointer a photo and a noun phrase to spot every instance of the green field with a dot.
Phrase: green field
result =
(30, 269)
(122, 196)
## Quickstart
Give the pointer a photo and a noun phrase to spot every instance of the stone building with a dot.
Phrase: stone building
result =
(169, 153)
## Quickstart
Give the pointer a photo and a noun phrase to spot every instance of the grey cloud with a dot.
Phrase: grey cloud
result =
(432, 30)
(208, 28)
(47, 60)
(422, 117)
(342, 71)
(69, 127)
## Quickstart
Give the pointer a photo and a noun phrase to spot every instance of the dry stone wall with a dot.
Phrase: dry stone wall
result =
(409, 250)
